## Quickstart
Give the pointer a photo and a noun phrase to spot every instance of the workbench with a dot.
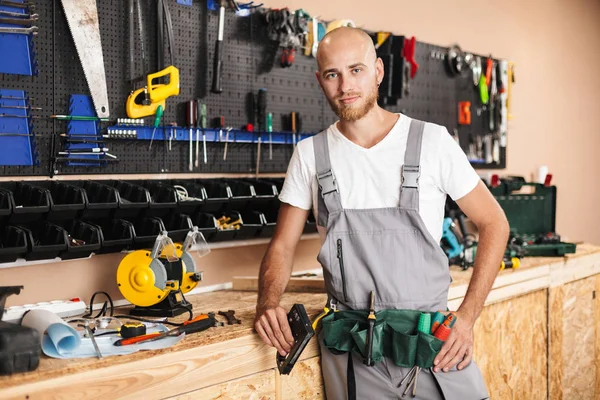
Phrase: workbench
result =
(539, 334)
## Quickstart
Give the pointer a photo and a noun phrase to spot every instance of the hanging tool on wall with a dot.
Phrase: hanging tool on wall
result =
(201, 110)
(82, 18)
(191, 120)
(218, 61)
(144, 102)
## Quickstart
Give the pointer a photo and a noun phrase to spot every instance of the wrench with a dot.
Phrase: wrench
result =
(16, 4)
(33, 17)
(16, 21)
(23, 31)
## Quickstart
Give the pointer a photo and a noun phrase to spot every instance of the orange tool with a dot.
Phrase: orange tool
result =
(464, 112)
(488, 71)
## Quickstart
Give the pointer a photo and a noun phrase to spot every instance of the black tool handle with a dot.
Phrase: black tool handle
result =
(197, 326)
(369, 344)
(218, 66)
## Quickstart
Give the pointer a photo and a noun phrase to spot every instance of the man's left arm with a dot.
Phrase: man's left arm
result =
(484, 211)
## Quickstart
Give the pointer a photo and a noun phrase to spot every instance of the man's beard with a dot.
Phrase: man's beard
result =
(351, 112)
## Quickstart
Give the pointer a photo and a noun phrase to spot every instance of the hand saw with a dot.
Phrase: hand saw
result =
(82, 18)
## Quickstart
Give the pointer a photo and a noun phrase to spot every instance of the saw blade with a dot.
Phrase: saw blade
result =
(82, 18)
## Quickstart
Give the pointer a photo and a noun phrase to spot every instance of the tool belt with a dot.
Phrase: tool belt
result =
(395, 336)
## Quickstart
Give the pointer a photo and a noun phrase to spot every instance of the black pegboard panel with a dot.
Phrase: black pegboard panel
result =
(250, 63)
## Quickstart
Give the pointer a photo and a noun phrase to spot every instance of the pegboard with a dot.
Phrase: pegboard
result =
(250, 63)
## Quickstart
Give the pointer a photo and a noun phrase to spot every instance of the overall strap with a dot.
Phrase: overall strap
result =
(328, 196)
(411, 170)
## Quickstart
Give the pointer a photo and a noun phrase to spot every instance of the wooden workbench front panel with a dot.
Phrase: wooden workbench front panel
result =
(574, 342)
(510, 347)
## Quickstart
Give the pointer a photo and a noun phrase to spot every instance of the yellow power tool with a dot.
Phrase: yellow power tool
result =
(154, 280)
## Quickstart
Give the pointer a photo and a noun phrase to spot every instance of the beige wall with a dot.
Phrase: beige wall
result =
(556, 47)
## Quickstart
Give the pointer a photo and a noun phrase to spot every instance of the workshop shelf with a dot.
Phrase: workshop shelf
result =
(192, 201)
(115, 235)
(102, 199)
(133, 199)
(29, 202)
(13, 243)
(45, 240)
(218, 195)
(207, 224)
(146, 229)
(83, 239)
(67, 201)
(178, 226)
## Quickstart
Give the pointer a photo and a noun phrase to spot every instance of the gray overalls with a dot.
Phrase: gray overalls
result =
(389, 251)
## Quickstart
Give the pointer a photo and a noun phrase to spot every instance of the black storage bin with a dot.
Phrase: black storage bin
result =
(265, 194)
(102, 199)
(178, 226)
(218, 195)
(311, 224)
(270, 222)
(13, 243)
(146, 229)
(163, 198)
(229, 233)
(29, 203)
(242, 193)
(278, 182)
(133, 199)
(207, 224)
(5, 205)
(195, 199)
(45, 240)
(115, 235)
(78, 230)
(66, 200)
(252, 224)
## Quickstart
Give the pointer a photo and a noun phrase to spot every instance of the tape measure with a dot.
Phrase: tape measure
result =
(132, 329)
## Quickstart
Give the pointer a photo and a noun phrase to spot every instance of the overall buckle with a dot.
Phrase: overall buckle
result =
(327, 182)
(410, 176)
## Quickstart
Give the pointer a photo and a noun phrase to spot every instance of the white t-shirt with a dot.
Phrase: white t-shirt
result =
(370, 178)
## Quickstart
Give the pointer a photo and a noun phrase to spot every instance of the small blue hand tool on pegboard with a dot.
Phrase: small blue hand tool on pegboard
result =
(17, 144)
(17, 40)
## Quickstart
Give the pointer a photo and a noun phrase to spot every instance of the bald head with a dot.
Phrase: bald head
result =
(344, 39)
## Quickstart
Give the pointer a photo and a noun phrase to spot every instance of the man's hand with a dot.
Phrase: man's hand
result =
(272, 326)
(459, 346)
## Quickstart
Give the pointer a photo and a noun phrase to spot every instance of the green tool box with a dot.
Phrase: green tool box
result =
(532, 218)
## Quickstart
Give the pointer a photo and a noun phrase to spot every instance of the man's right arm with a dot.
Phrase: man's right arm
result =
(276, 268)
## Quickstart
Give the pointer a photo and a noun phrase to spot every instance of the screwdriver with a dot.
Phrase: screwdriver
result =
(191, 120)
(159, 113)
(262, 119)
(270, 130)
(202, 122)
(369, 342)
(293, 118)
(83, 118)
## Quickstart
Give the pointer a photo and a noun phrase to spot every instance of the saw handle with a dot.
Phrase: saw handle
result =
(161, 92)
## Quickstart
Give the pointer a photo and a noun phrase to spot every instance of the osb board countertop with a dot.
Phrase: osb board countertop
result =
(224, 353)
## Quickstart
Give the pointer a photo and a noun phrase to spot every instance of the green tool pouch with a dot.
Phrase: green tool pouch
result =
(395, 336)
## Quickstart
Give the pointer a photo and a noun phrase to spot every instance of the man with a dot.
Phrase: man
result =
(378, 183)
